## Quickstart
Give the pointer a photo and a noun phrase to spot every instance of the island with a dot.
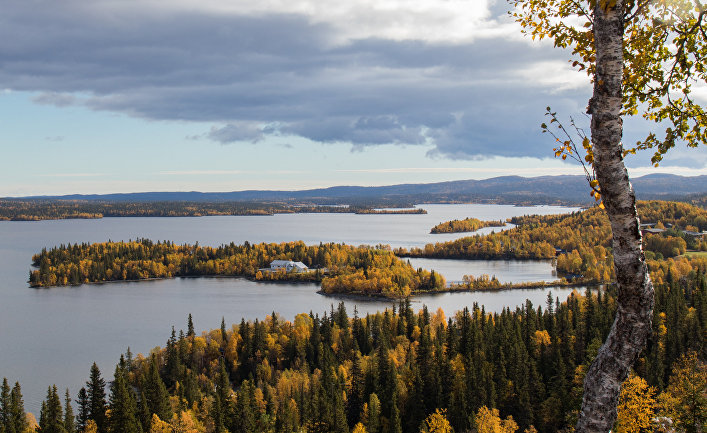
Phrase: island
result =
(465, 225)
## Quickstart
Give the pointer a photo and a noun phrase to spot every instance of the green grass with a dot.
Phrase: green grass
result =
(696, 253)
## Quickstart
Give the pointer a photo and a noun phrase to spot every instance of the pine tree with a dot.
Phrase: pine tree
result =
(223, 394)
(122, 406)
(374, 413)
(355, 396)
(223, 332)
(190, 327)
(51, 415)
(244, 419)
(395, 423)
(173, 365)
(156, 395)
(143, 412)
(96, 390)
(5, 412)
(69, 420)
(84, 409)
(18, 418)
(192, 392)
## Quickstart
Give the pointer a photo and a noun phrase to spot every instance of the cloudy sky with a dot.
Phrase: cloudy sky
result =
(220, 95)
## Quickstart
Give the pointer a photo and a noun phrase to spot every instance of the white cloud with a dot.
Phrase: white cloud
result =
(556, 75)
(425, 20)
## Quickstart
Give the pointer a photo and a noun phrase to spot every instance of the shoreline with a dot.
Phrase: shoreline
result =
(351, 295)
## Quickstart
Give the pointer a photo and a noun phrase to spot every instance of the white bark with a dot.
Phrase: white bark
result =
(635, 291)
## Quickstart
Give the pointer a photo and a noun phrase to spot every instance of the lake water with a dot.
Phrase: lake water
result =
(51, 336)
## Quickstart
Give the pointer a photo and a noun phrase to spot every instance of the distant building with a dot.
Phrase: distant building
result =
(652, 231)
(288, 266)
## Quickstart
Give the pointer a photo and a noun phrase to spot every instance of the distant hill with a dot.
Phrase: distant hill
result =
(505, 189)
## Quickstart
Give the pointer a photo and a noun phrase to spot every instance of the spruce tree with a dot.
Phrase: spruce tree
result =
(123, 418)
(69, 421)
(223, 391)
(143, 412)
(18, 418)
(374, 413)
(51, 415)
(190, 327)
(156, 395)
(395, 423)
(84, 409)
(96, 389)
(355, 396)
(5, 413)
(223, 332)
(192, 392)
(174, 363)
(244, 419)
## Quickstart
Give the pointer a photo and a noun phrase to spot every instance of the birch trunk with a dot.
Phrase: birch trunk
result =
(634, 313)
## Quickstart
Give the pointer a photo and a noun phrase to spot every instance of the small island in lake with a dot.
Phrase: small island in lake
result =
(363, 270)
(465, 225)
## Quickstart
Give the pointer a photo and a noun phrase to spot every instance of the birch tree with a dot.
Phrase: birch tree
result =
(644, 57)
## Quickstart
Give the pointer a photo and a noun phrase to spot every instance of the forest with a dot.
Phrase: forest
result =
(40, 209)
(398, 371)
(465, 225)
(363, 270)
(580, 242)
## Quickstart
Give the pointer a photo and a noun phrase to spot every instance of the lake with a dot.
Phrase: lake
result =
(51, 336)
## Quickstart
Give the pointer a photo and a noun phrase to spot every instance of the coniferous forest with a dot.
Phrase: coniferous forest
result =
(400, 370)
(397, 371)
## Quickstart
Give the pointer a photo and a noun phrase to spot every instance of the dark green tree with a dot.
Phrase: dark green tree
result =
(18, 418)
(5, 413)
(190, 327)
(84, 409)
(69, 420)
(123, 408)
(96, 390)
(51, 415)
(156, 395)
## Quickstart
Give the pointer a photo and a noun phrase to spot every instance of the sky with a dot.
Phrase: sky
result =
(110, 96)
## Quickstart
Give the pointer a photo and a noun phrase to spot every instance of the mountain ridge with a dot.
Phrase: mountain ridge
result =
(571, 188)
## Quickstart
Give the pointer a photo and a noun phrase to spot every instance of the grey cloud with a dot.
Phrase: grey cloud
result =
(55, 99)
(233, 133)
(280, 74)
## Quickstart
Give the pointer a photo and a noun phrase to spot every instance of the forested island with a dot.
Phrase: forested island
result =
(580, 242)
(397, 371)
(465, 225)
(37, 210)
(369, 271)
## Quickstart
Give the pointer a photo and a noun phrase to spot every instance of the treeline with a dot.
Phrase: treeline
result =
(340, 268)
(465, 225)
(35, 210)
(418, 211)
(580, 242)
(404, 371)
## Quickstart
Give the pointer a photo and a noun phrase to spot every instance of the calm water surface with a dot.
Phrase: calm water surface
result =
(53, 335)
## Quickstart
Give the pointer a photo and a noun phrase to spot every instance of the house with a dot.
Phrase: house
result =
(652, 231)
(288, 266)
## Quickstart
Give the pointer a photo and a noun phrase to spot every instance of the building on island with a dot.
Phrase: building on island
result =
(287, 266)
